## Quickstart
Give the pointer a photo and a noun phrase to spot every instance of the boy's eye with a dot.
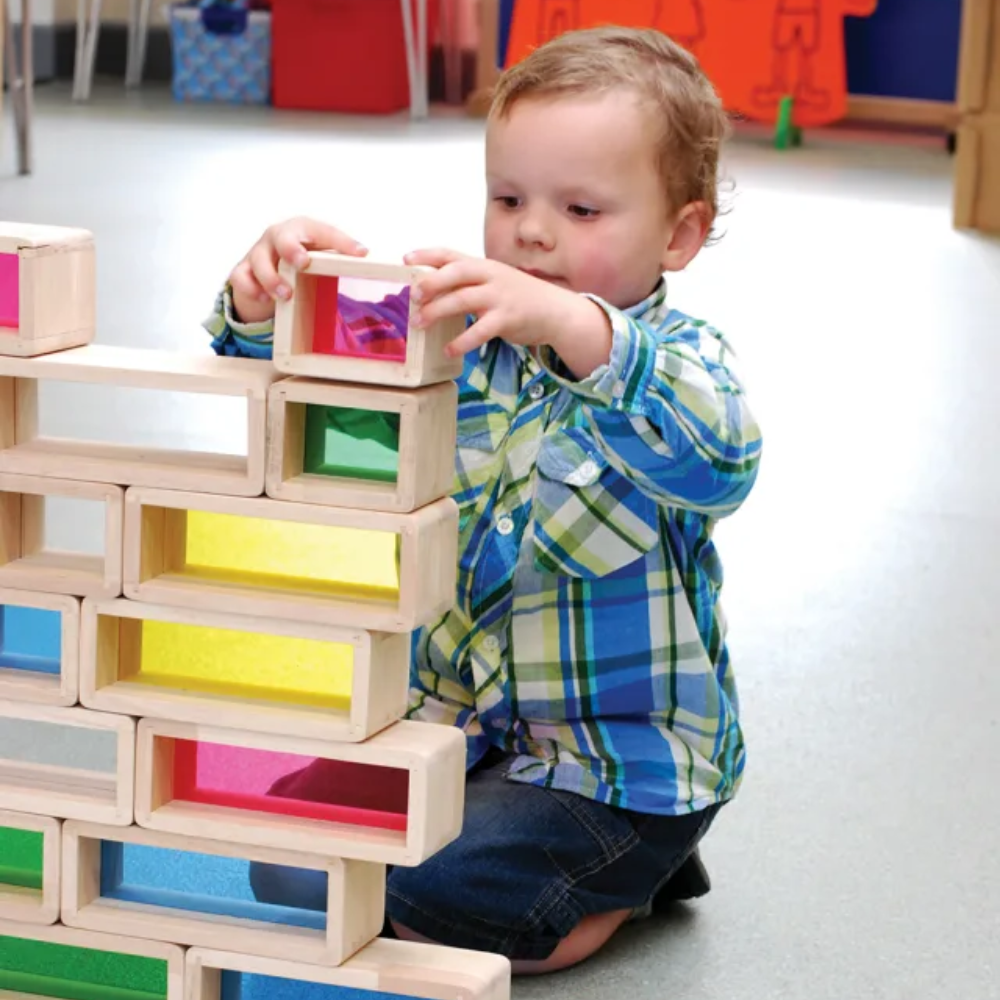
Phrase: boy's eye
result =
(509, 201)
(583, 212)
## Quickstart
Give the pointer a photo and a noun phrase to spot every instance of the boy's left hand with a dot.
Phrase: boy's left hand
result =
(512, 305)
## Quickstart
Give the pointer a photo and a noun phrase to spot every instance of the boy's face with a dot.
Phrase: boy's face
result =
(574, 195)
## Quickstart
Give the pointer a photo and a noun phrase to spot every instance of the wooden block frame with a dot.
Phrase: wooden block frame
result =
(428, 560)
(74, 938)
(57, 288)
(977, 174)
(355, 900)
(71, 793)
(46, 689)
(35, 906)
(434, 756)
(25, 564)
(425, 360)
(380, 674)
(428, 425)
(979, 64)
(400, 968)
(23, 452)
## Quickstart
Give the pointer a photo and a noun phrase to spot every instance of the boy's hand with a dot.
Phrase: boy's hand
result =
(255, 279)
(512, 305)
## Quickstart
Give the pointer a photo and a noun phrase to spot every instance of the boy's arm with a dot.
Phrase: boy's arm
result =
(669, 413)
(234, 338)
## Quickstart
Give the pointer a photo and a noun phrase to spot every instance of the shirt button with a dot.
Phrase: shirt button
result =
(492, 643)
(505, 525)
(619, 390)
(537, 391)
(589, 469)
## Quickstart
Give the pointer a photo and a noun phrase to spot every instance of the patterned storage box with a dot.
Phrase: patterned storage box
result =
(221, 52)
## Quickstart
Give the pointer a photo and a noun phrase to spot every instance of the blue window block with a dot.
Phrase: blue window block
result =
(30, 639)
(198, 883)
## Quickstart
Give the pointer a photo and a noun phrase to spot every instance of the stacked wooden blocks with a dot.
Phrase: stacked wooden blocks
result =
(977, 174)
(154, 693)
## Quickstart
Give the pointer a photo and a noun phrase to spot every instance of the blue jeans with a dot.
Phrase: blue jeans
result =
(529, 865)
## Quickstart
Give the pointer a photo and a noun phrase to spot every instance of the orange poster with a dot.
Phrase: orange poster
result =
(755, 51)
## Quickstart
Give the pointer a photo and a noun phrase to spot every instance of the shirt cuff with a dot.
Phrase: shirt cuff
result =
(620, 384)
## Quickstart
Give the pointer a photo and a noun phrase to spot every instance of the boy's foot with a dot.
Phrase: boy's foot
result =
(690, 881)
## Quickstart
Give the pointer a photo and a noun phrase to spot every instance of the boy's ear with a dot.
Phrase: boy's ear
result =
(687, 236)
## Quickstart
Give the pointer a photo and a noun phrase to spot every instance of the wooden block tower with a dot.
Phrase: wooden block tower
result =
(247, 623)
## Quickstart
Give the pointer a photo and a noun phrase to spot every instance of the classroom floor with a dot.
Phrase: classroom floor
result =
(860, 859)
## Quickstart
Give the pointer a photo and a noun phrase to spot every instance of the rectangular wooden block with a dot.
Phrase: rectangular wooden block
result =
(977, 174)
(67, 762)
(308, 329)
(23, 450)
(383, 969)
(29, 867)
(979, 63)
(39, 647)
(26, 563)
(267, 675)
(48, 289)
(395, 799)
(364, 569)
(350, 446)
(182, 889)
(65, 962)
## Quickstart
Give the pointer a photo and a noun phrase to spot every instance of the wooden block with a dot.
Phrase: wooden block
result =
(29, 867)
(396, 968)
(23, 450)
(266, 675)
(977, 174)
(67, 762)
(26, 563)
(413, 467)
(48, 289)
(101, 893)
(66, 962)
(39, 647)
(364, 569)
(395, 799)
(979, 63)
(295, 326)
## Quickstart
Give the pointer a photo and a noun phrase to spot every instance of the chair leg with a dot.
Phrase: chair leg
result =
(19, 82)
(88, 31)
(138, 38)
(410, 43)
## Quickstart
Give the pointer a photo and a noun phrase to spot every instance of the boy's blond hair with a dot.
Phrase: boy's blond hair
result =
(687, 119)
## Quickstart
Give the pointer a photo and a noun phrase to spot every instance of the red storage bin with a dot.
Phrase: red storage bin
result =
(341, 55)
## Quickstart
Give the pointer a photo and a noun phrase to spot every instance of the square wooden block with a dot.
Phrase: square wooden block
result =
(306, 340)
(395, 799)
(39, 647)
(396, 968)
(337, 566)
(48, 289)
(350, 446)
(190, 891)
(263, 674)
(29, 867)
(63, 961)
(71, 763)
(28, 563)
(23, 450)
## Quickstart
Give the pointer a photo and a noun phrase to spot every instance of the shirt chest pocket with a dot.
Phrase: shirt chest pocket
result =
(589, 519)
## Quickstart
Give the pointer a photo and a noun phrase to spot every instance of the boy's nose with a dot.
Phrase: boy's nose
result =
(534, 232)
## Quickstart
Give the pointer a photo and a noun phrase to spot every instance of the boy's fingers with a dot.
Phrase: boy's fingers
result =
(461, 302)
(264, 271)
(243, 281)
(316, 235)
(460, 273)
(433, 257)
(472, 339)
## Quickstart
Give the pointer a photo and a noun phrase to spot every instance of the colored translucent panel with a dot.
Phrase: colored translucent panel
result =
(344, 328)
(197, 883)
(71, 973)
(333, 791)
(10, 269)
(244, 986)
(246, 664)
(346, 442)
(57, 746)
(30, 639)
(21, 858)
(290, 555)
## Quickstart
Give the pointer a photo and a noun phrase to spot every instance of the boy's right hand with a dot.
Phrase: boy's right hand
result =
(255, 280)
